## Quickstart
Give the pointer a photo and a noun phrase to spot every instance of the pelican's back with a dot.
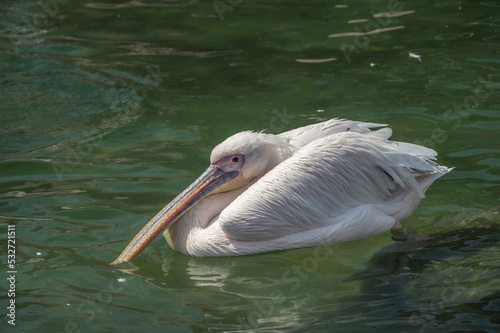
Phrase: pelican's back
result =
(301, 136)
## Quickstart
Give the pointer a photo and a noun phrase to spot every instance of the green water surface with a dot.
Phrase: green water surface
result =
(108, 109)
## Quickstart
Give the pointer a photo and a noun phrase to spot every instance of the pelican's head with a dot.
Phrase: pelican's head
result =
(233, 164)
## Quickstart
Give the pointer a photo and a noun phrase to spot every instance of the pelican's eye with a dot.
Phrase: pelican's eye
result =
(231, 162)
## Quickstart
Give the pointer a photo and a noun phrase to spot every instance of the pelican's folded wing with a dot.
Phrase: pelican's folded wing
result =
(323, 181)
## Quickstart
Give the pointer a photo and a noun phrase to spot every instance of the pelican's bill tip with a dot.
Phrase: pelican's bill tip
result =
(116, 262)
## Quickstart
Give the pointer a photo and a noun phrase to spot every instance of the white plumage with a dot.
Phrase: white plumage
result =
(320, 184)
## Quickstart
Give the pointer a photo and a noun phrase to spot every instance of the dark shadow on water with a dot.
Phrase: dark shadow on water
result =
(440, 284)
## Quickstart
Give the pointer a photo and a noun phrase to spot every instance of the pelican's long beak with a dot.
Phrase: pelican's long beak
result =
(207, 183)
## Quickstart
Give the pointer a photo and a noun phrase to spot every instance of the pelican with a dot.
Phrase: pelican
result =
(321, 184)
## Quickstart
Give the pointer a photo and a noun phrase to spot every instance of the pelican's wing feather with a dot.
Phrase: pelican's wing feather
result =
(414, 149)
(326, 179)
(299, 137)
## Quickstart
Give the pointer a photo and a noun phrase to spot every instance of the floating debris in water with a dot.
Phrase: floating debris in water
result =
(315, 61)
(393, 14)
(414, 55)
(358, 21)
(360, 33)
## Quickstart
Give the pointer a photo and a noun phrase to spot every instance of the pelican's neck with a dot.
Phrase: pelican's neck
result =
(202, 215)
